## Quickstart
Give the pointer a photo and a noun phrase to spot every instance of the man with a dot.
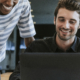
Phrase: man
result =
(12, 13)
(67, 23)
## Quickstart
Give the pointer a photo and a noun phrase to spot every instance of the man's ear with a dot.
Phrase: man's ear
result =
(54, 20)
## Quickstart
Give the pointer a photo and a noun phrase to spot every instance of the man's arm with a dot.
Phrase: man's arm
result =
(28, 40)
(25, 24)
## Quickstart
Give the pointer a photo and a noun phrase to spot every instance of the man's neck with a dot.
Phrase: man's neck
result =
(64, 45)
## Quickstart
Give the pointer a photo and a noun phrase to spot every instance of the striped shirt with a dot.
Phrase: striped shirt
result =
(20, 16)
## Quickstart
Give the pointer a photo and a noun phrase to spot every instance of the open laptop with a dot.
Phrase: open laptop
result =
(50, 66)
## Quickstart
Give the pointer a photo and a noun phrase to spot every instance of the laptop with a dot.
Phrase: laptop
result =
(50, 66)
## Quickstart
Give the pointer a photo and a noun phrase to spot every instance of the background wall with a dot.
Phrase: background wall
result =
(43, 10)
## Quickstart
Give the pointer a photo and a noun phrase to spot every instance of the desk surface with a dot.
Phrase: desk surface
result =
(5, 76)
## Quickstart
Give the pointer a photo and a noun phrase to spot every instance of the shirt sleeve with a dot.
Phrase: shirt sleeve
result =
(25, 24)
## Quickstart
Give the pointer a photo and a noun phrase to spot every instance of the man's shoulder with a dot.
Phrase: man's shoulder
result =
(40, 44)
(78, 44)
(78, 40)
(23, 0)
(43, 41)
(23, 3)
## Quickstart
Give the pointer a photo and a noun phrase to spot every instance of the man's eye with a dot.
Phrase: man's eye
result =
(72, 22)
(62, 20)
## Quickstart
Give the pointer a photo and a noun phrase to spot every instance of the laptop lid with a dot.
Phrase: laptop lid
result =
(50, 66)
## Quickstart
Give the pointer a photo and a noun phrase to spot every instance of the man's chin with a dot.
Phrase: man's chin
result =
(5, 13)
(64, 38)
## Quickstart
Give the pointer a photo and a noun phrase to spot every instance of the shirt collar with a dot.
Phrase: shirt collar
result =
(73, 47)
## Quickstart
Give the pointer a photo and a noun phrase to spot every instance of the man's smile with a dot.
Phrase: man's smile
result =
(7, 8)
(65, 31)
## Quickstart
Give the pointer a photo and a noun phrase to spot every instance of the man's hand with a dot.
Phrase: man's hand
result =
(28, 40)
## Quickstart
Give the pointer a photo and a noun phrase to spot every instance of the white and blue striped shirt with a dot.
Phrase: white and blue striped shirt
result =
(21, 16)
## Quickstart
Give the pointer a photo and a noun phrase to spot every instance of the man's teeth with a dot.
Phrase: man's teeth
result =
(65, 31)
(7, 8)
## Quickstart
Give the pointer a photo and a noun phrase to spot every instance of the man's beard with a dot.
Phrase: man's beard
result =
(65, 39)
(67, 36)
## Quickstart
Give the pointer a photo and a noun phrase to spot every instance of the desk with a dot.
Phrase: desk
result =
(5, 76)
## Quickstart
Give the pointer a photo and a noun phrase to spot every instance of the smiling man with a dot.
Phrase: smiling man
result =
(67, 23)
(12, 13)
(6, 6)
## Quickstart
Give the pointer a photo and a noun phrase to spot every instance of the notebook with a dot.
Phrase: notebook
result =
(50, 66)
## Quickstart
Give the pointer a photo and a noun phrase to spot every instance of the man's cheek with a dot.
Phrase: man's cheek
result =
(1, 1)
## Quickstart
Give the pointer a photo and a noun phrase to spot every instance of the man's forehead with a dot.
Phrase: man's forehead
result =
(67, 13)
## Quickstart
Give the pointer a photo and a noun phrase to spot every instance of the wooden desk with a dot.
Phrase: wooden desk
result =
(5, 76)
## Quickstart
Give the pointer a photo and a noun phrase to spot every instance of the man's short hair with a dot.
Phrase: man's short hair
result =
(72, 5)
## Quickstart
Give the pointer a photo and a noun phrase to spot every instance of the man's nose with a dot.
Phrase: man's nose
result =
(9, 3)
(66, 25)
